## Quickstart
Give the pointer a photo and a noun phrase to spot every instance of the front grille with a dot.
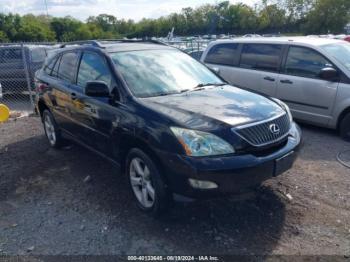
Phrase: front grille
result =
(265, 132)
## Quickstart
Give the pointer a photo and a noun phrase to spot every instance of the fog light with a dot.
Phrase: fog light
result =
(202, 184)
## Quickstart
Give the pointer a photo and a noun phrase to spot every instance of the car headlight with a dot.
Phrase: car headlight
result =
(285, 107)
(198, 143)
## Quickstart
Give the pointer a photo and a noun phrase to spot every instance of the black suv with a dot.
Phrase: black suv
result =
(173, 126)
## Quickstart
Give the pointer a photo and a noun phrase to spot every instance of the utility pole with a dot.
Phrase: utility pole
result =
(47, 10)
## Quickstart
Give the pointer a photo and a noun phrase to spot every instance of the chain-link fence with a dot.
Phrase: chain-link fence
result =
(189, 45)
(18, 64)
(193, 47)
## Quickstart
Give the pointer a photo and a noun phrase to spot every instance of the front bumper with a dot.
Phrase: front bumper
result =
(232, 174)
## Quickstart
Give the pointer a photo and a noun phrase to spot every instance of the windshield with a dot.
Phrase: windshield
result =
(162, 72)
(340, 51)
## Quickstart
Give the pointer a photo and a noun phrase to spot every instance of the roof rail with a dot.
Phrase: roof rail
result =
(94, 43)
(98, 43)
(134, 41)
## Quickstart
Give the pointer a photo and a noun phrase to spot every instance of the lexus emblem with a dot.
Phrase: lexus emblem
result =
(274, 129)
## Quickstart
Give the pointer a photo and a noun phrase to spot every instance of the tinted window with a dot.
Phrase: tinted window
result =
(305, 62)
(67, 66)
(261, 57)
(223, 54)
(48, 68)
(56, 65)
(93, 67)
(11, 55)
(38, 55)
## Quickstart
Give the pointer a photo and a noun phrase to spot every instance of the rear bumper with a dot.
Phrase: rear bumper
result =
(232, 174)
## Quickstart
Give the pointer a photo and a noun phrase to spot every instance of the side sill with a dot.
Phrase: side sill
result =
(72, 137)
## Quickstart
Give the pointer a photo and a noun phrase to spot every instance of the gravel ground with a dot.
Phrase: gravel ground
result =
(47, 208)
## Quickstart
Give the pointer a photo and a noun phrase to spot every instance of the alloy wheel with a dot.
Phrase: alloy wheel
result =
(50, 130)
(141, 183)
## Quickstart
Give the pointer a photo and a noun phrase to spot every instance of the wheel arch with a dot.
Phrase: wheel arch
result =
(128, 142)
(42, 107)
(342, 115)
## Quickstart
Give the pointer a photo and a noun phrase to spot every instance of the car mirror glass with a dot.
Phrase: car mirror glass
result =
(97, 89)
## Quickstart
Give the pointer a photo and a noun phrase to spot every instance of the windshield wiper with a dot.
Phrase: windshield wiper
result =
(201, 85)
(196, 88)
(164, 94)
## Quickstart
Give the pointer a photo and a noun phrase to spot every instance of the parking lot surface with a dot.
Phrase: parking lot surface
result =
(72, 202)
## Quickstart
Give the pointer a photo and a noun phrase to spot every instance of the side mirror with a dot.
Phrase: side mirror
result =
(97, 89)
(329, 73)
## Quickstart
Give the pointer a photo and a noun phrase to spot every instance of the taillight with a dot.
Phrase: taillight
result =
(40, 86)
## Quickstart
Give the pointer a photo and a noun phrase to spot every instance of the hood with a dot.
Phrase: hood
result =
(203, 109)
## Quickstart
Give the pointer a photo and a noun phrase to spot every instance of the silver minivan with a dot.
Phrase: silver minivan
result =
(311, 75)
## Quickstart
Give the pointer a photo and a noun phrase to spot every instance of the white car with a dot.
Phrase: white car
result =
(312, 75)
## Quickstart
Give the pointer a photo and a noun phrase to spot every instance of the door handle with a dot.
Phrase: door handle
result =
(269, 79)
(73, 96)
(286, 81)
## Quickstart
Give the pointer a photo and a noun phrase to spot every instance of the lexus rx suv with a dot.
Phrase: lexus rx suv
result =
(173, 126)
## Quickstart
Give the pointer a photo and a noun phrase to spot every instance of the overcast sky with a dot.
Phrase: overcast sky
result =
(81, 9)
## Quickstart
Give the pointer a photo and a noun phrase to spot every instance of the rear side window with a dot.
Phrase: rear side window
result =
(223, 54)
(261, 57)
(56, 65)
(48, 68)
(67, 67)
(38, 55)
(305, 62)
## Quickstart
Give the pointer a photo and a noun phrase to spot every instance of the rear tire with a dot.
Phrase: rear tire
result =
(146, 183)
(344, 127)
(52, 131)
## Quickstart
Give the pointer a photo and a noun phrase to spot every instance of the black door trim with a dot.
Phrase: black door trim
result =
(305, 104)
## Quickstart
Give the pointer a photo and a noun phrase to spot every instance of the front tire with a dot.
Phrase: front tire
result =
(146, 183)
(344, 127)
(52, 131)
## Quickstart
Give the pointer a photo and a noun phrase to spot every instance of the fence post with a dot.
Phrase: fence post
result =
(26, 70)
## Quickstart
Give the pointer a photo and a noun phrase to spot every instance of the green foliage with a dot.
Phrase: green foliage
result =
(270, 16)
(10, 24)
(3, 37)
(35, 29)
(328, 16)
(68, 29)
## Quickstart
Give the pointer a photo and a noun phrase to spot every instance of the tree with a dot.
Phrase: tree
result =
(3, 37)
(247, 19)
(272, 18)
(327, 16)
(307, 16)
(10, 25)
(34, 29)
(104, 21)
(63, 27)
